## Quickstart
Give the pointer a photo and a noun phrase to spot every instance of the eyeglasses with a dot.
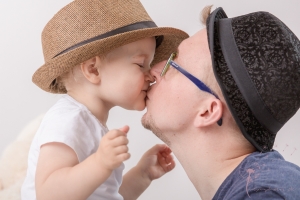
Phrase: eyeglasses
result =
(195, 80)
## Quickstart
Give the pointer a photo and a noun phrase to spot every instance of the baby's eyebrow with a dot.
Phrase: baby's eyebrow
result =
(142, 55)
(138, 55)
(139, 58)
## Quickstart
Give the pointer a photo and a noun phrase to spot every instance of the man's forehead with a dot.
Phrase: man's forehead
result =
(200, 36)
(195, 45)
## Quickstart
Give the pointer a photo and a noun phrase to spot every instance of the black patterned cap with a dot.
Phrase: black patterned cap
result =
(256, 61)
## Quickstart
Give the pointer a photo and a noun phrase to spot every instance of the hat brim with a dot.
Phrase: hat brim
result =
(250, 127)
(48, 72)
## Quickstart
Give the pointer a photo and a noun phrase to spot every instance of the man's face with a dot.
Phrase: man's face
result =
(172, 101)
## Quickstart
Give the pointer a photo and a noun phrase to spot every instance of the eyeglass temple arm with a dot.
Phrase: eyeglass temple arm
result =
(195, 80)
(198, 83)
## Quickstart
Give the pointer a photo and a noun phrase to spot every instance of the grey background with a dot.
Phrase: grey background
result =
(21, 101)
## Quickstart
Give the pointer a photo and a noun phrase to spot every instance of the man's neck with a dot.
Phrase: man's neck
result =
(207, 160)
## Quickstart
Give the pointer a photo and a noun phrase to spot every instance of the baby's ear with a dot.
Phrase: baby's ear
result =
(90, 69)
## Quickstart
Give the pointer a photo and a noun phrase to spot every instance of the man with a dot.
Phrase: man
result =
(220, 100)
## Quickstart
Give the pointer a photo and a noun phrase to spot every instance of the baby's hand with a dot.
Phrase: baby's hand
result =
(113, 149)
(157, 161)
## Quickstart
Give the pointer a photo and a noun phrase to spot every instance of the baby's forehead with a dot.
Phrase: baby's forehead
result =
(126, 52)
(138, 49)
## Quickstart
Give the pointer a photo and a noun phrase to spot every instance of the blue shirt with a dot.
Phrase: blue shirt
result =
(262, 176)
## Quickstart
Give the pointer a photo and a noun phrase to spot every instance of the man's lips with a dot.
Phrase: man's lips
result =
(147, 97)
(147, 93)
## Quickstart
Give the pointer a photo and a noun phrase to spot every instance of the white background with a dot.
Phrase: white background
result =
(21, 23)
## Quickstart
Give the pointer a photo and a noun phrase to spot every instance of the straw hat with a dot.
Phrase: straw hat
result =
(87, 28)
(256, 61)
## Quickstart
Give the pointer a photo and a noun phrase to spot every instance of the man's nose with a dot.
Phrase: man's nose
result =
(156, 70)
(149, 77)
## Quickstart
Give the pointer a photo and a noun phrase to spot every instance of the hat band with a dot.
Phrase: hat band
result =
(130, 27)
(239, 73)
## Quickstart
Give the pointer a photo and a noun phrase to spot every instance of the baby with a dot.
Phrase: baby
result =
(99, 53)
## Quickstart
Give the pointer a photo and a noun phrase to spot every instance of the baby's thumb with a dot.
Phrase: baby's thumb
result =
(124, 129)
(162, 148)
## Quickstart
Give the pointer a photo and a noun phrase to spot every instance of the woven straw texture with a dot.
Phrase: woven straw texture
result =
(82, 20)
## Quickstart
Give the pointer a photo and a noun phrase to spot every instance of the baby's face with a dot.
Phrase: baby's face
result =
(125, 75)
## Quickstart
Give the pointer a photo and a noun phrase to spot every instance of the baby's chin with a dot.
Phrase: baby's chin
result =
(140, 107)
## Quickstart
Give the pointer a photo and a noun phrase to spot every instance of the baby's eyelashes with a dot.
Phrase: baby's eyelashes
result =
(140, 65)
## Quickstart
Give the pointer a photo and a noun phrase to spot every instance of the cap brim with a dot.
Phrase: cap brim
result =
(210, 24)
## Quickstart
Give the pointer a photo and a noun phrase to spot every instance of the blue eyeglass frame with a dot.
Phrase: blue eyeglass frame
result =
(195, 80)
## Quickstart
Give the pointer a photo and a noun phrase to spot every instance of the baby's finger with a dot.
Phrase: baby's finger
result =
(122, 157)
(166, 151)
(156, 149)
(124, 129)
(119, 141)
(121, 149)
(167, 166)
(170, 166)
(169, 158)
(112, 134)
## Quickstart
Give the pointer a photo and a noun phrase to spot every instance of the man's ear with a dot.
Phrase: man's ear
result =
(90, 69)
(209, 113)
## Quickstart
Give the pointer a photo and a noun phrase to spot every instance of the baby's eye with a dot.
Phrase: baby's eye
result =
(140, 65)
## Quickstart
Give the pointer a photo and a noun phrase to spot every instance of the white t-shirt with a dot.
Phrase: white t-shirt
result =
(71, 123)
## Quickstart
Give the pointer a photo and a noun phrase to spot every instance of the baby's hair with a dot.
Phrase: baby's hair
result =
(59, 84)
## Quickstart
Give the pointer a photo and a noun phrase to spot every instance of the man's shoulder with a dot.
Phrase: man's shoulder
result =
(266, 164)
(267, 159)
(270, 170)
(262, 176)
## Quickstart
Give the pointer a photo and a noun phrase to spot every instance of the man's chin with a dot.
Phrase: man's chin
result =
(145, 122)
(149, 123)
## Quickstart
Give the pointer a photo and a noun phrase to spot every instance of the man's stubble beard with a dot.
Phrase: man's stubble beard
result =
(149, 123)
